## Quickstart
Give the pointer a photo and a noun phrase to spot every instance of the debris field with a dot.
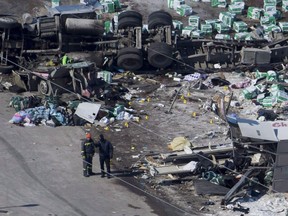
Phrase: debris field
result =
(195, 103)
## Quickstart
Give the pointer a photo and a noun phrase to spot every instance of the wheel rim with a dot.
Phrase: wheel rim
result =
(43, 87)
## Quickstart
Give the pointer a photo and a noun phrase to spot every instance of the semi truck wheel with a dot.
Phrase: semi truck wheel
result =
(162, 14)
(129, 50)
(129, 22)
(8, 22)
(6, 69)
(130, 14)
(130, 61)
(160, 55)
(44, 87)
(159, 21)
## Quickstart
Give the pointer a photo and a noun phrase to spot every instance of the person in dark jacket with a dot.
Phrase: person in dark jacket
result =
(105, 154)
(87, 153)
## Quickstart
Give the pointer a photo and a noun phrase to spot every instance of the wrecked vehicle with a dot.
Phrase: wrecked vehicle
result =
(129, 44)
(51, 80)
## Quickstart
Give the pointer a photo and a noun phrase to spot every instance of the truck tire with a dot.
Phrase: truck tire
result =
(160, 13)
(8, 22)
(130, 14)
(130, 61)
(159, 22)
(129, 50)
(129, 22)
(6, 69)
(44, 87)
(160, 55)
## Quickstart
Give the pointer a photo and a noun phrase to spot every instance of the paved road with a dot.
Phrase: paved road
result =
(41, 174)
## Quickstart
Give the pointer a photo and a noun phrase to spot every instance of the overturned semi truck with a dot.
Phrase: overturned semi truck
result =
(75, 29)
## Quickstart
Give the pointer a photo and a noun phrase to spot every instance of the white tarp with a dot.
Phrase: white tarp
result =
(88, 111)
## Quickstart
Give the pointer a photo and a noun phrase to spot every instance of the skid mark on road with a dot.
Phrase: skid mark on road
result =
(26, 168)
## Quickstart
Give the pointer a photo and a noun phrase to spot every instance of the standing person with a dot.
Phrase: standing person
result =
(87, 152)
(105, 155)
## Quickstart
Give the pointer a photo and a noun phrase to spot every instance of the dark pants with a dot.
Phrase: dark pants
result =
(87, 165)
(105, 160)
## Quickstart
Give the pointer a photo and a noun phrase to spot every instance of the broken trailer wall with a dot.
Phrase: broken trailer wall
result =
(276, 132)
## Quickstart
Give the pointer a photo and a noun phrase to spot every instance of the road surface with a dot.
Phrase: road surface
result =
(41, 174)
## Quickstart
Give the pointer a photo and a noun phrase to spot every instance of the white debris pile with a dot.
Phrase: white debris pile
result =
(267, 205)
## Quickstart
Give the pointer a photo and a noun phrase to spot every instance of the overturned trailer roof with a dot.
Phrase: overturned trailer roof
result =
(68, 9)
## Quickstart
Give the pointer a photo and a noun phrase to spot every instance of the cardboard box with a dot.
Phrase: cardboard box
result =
(218, 3)
(206, 29)
(242, 36)
(197, 34)
(108, 7)
(184, 10)
(236, 8)
(187, 31)
(177, 24)
(271, 76)
(222, 37)
(227, 18)
(234, 1)
(282, 96)
(250, 92)
(177, 3)
(269, 101)
(194, 20)
(254, 13)
(240, 26)
(213, 23)
(285, 6)
(222, 28)
(271, 28)
(259, 74)
(266, 20)
(284, 26)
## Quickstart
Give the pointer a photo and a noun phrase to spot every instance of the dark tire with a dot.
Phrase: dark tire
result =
(129, 22)
(6, 69)
(8, 22)
(163, 14)
(131, 62)
(159, 22)
(130, 14)
(129, 50)
(160, 55)
(44, 87)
